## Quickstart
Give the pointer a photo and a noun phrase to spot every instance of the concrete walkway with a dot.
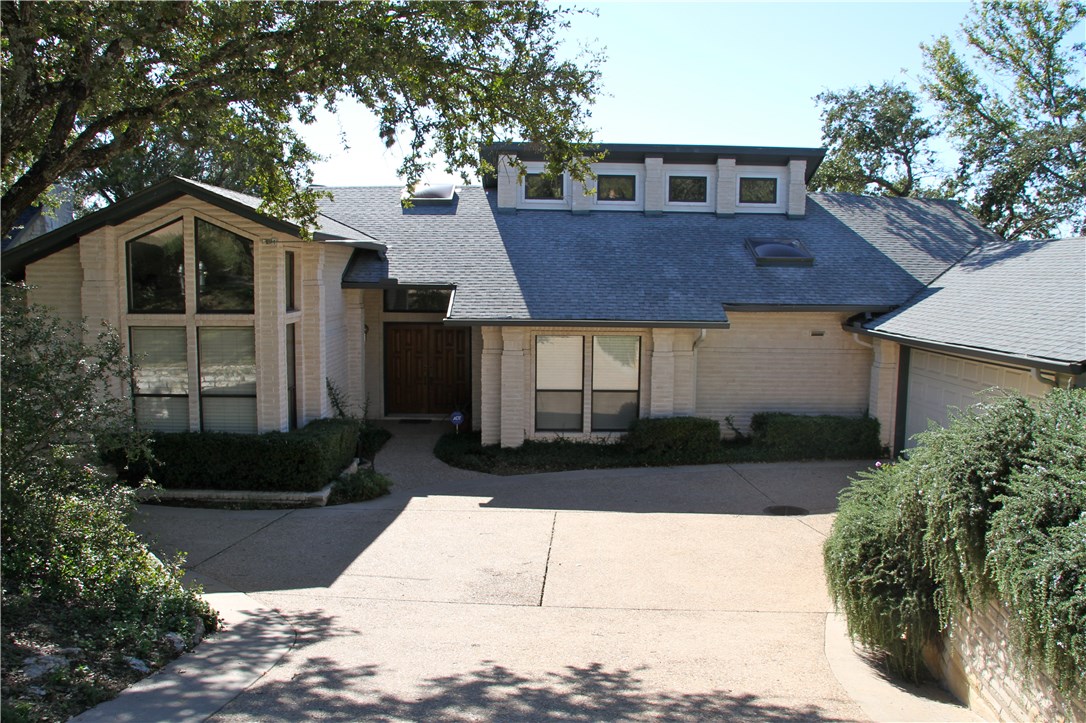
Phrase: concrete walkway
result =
(644, 594)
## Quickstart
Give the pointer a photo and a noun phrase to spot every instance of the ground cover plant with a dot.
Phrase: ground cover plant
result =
(86, 607)
(670, 441)
(359, 486)
(994, 505)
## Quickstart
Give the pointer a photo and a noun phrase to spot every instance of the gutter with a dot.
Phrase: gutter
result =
(1042, 363)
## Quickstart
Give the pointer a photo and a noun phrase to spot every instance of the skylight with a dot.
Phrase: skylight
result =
(434, 195)
(779, 252)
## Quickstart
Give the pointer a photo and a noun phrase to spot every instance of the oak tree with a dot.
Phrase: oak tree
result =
(85, 83)
(877, 142)
(1014, 101)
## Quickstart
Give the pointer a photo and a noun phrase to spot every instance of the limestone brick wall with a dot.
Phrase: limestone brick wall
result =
(58, 282)
(796, 362)
(334, 317)
(979, 666)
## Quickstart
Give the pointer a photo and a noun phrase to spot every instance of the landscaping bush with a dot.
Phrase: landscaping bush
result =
(992, 505)
(691, 439)
(364, 484)
(74, 577)
(797, 437)
(303, 460)
(370, 440)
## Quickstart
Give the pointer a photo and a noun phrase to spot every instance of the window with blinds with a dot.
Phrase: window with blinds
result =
(161, 393)
(227, 379)
(559, 383)
(616, 382)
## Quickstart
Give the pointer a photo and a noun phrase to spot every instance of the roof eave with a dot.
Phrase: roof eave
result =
(15, 260)
(1063, 366)
(584, 323)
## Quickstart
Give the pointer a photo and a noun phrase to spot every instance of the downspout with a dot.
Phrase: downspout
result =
(694, 363)
(856, 338)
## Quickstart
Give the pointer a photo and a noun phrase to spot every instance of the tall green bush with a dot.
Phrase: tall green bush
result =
(994, 504)
(65, 548)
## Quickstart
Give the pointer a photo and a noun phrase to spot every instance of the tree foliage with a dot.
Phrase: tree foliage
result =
(87, 86)
(877, 142)
(1012, 103)
(1017, 115)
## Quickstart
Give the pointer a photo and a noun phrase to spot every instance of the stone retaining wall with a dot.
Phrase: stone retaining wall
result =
(977, 665)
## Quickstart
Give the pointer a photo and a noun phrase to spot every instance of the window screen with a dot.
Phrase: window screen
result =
(227, 379)
(156, 271)
(161, 395)
(616, 382)
(559, 384)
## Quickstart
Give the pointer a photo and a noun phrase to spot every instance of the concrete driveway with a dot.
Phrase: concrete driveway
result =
(662, 594)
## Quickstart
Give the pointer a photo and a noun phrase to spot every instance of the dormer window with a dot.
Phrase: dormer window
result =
(616, 188)
(687, 189)
(779, 252)
(538, 187)
(758, 190)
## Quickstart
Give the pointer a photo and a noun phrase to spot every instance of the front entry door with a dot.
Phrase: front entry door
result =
(427, 369)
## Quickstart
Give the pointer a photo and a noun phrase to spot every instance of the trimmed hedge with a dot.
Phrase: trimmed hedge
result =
(688, 438)
(300, 461)
(795, 436)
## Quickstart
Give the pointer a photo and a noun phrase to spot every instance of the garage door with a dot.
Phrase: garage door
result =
(938, 382)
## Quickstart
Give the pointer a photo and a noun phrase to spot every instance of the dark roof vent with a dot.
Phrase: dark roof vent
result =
(439, 195)
(779, 252)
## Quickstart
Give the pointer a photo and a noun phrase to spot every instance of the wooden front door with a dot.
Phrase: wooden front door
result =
(427, 369)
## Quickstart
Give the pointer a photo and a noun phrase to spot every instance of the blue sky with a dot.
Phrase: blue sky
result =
(709, 73)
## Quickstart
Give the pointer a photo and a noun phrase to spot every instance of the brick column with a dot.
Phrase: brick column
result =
(269, 318)
(490, 384)
(355, 313)
(797, 189)
(507, 184)
(312, 364)
(725, 187)
(513, 379)
(684, 372)
(655, 192)
(584, 197)
(662, 397)
(882, 397)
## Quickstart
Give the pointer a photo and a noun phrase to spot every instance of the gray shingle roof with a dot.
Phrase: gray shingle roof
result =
(1024, 299)
(679, 267)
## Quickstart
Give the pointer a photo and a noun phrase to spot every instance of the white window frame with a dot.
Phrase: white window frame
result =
(636, 170)
(779, 173)
(709, 172)
(540, 203)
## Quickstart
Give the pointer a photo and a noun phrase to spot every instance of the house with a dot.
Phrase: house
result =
(1007, 316)
(684, 280)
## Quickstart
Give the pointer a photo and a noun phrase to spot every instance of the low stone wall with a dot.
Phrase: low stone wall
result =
(978, 665)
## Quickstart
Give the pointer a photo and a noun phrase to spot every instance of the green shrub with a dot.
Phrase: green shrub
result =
(796, 437)
(688, 438)
(994, 504)
(72, 572)
(370, 440)
(364, 484)
(303, 460)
